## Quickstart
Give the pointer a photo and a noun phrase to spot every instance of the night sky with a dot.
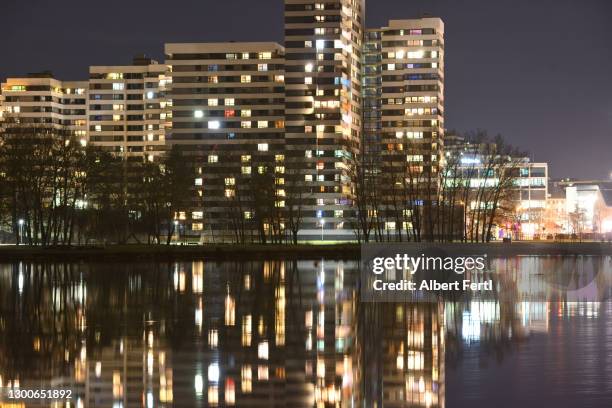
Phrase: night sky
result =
(536, 71)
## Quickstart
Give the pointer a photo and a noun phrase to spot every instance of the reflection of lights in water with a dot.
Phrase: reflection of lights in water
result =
(20, 280)
(198, 315)
(149, 400)
(197, 277)
(479, 313)
(230, 310)
(151, 339)
(198, 384)
(150, 363)
(213, 338)
(213, 372)
(262, 373)
(263, 350)
(246, 378)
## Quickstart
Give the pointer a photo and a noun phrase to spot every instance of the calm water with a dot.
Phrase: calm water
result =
(293, 334)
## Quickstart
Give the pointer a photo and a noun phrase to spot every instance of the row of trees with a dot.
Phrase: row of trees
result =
(462, 198)
(56, 191)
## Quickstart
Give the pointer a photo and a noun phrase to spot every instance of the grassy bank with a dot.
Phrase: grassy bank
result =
(301, 251)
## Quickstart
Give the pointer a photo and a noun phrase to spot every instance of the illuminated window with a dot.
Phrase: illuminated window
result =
(265, 55)
(245, 113)
(198, 114)
(213, 102)
(246, 170)
(262, 67)
(262, 124)
(245, 124)
(245, 55)
(118, 86)
(197, 226)
(308, 80)
(197, 215)
(116, 118)
(213, 158)
(245, 158)
(245, 79)
(215, 124)
(262, 147)
(229, 101)
(230, 181)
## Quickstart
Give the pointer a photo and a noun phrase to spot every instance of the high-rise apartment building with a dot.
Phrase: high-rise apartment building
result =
(323, 42)
(128, 108)
(39, 100)
(404, 113)
(228, 116)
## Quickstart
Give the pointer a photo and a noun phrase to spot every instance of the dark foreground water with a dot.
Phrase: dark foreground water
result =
(294, 334)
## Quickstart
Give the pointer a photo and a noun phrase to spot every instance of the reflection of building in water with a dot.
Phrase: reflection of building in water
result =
(403, 355)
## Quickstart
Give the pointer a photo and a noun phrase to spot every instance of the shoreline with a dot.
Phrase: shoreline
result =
(349, 251)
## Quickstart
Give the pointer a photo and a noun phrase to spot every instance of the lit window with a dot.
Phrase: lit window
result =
(118, 86)
(246, 170)
(213, 102)
(245, 55)
(320, 44)
(245, 124)
(213, 158)
(308, 177)
(230, 181)
(198, 114)
(116, 118)
(245, 113)
(265, 55)
(246, 158)
(197, 226)
(262, 124)
(262, 67)
(245, 79)
(307, 44)
(197, 215)
(262, 147)
(308, 80)
(98, 128)
(309, 67)
(215, 124)
(198, 181)
(229, 101)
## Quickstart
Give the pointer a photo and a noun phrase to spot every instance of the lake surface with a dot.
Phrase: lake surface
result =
(294, 334)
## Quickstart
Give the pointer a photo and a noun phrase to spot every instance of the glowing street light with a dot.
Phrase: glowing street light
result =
(322, 225)
(21, 222)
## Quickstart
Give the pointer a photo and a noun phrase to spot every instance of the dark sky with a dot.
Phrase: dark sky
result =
(536, 71)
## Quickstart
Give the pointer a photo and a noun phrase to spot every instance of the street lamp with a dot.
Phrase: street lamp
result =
(322, 225)
(21, 222)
